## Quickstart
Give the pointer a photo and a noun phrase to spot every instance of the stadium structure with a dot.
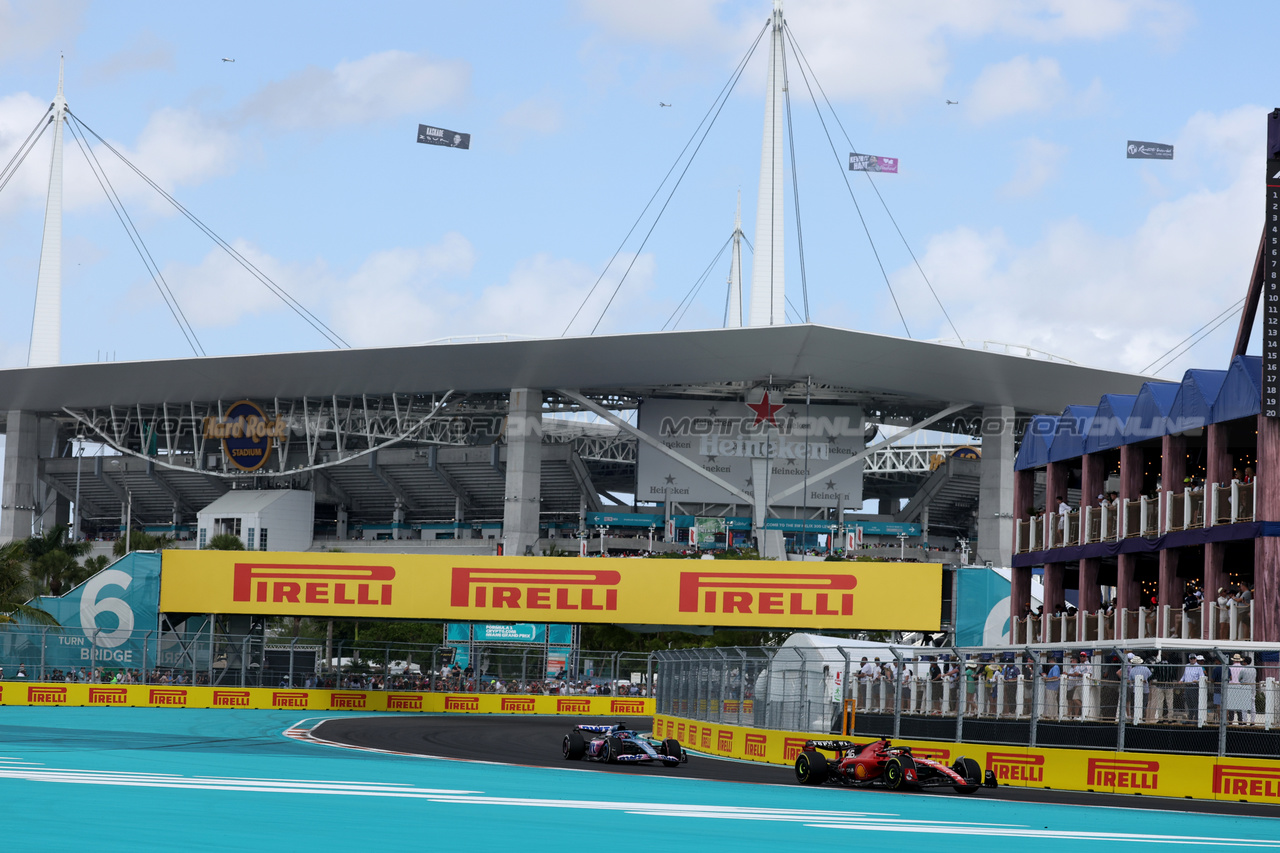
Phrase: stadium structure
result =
(510, 445)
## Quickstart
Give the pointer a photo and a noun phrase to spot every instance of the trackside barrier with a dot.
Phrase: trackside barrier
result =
(263, 698)
(1152, 774)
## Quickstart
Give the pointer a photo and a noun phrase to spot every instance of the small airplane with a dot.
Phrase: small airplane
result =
(953, 102)
(662, 104)
(224, 59)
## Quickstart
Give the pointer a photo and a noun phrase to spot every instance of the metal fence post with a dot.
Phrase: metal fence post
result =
(897, 693)
(1121, 702)
(742, 682)
(962, 682)
(291, 645)
(1223, 680)
(1035, 694)
(244, 658)
(44, 638)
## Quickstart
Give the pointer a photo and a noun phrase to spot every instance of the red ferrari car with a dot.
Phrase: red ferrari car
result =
(881, 764)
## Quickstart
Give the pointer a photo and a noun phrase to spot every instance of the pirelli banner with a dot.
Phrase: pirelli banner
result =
(1153, 774)
(730, 593)
(263, 698)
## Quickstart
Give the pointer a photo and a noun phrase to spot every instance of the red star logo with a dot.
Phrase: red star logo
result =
(764, 410)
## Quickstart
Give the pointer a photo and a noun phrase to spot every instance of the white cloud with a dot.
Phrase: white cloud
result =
(27, 28)
(1037, 164)
(147, 53)
(666, 22)
(539, 115)
(410, 295)
(1118, 300)
(877, 52)
(1021, 85)
(380, 85)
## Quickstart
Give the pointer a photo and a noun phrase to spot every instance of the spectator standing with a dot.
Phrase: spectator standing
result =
(1075, 685)
(1189, 686)
(1052, 681)
(1240, 701)
(1140, 679)
(1161, 694)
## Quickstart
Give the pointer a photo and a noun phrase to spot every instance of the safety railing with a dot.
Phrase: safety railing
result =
(1179, 698)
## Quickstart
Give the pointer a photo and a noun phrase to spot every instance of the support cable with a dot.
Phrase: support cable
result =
(284, 296)
(840, 164)
(714, 112)
(135, 237)
(20, 156)
(871, 181)
(695, 289)
(1166, 359)
(795, 182)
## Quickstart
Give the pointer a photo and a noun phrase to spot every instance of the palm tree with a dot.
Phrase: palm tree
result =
(225, 542)
(15, 587)
(52, 560)
(140, 540)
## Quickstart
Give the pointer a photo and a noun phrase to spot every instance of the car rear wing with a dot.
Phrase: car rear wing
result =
(597, 729)
(835, 745)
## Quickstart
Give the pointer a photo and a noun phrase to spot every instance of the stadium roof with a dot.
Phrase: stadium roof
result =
(875, 365)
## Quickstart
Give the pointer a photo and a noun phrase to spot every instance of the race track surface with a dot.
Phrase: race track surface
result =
(535, 742)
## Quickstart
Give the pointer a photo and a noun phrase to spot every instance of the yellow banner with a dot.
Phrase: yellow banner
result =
(734, 593)
(1153, 774)
(265, 698)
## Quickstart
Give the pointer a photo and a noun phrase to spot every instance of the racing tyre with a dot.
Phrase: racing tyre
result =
(612, 749)
(574, 747)
(671, 747)
(811, 768)
(969, 769)
(893, 774)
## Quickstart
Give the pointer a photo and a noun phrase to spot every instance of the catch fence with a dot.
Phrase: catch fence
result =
(1158, 698)
(206, 656)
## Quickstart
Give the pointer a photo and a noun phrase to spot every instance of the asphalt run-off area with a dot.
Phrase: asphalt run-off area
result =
(134, 778)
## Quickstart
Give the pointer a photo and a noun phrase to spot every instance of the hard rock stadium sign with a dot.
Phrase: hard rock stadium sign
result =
(764, 594)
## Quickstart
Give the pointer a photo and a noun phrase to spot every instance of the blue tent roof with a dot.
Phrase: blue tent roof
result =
(1193, 406)
(1107, 430)
(1241, 392)
(1147, 419)
(1073, 426)
(1034, 451)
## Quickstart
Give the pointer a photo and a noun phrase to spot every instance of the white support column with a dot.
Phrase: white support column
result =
(523, 500)
(995, 487)
(21, 466)
(768, 285)
(734, 318)
(46, 324)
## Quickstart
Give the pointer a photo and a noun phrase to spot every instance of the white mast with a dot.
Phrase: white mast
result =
(768, 287)
(734, 320)
(46, 324)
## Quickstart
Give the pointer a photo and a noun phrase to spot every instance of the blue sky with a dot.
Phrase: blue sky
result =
(1019, 203)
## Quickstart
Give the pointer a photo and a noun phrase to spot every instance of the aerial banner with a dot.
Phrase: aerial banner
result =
(872, 163)
(1148, 151)
(565, 590)
(429, 135)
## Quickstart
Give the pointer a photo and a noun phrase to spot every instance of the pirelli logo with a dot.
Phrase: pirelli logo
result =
(1017, 766)
(231, 698)
(754, 745)
(573, 706)
(348, 701)
(724, 740)
(1240, 781)
(288, 699)
(41, 695)
(404, 701)
(792, 747)
(1127, 774)
(108, 696)
(303, 583)
(766, 593)
(167, 697)
(706, 738)
(462, 703)
(515, 705)
(625, 706)
(535, 589)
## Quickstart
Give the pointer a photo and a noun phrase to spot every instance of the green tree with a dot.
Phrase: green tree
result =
(140, 540)
(16, 587)
(225, 542)
(53, 561)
